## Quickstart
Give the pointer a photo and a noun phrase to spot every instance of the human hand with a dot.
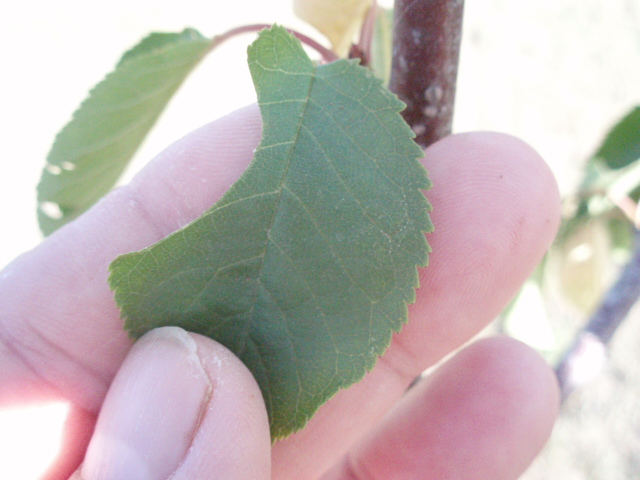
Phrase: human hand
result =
(180, 405)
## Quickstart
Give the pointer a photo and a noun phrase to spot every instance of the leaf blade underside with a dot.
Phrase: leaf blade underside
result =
(92, 150)
(305, 266)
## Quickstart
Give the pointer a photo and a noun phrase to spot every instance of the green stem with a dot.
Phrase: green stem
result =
(362, 49)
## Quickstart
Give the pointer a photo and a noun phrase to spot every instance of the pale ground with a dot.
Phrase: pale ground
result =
(553, 72)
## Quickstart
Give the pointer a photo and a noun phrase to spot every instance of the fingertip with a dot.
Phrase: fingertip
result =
(181, 406)
(233, 439)
(490, 168)
(497, 401)
(496, 211)
(493, 167)
(486, 413)
(516, 382)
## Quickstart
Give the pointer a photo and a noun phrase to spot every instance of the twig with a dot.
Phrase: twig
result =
(426, 46)
(327, 55)
(586, 357)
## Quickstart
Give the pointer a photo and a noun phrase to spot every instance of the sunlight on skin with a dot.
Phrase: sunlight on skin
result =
(30, 439)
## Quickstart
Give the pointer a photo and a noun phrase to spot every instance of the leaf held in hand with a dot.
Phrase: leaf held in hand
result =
(305, 266)
(93, 149)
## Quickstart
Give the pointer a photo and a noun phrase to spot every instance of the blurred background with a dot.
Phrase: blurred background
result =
(557, 73)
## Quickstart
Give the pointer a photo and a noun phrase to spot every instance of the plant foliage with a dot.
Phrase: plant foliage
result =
(93, 149)
(305, 267)
(621, 146)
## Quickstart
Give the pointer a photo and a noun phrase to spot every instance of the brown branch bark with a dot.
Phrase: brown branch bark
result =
(586, 357)
(426, 46)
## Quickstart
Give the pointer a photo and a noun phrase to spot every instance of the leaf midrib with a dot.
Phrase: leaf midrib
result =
(247, 336)
(275, 211)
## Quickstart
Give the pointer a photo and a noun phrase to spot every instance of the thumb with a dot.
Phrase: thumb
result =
(181, 406)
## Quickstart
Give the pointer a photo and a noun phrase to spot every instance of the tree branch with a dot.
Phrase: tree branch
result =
(586, 357)
(426, 46)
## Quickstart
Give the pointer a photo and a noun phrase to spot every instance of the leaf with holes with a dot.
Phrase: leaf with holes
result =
(93, 149)
(304, 268)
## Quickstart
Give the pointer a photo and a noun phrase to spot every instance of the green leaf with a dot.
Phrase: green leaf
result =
(612, 173)
(93, 149)
(621, 146)
(305, 266)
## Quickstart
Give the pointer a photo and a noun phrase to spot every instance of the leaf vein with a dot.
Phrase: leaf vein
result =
(326, 240)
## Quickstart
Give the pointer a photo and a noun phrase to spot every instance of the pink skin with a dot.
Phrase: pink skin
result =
(487, 412)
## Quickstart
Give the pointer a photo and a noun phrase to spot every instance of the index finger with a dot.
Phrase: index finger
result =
(60, 331)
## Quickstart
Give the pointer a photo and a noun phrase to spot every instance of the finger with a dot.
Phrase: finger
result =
(181, 407)
(485, 414)
(65, 278)
(495, 210)
(60, 331)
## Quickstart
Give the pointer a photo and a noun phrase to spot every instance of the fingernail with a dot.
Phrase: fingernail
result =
(152, 410)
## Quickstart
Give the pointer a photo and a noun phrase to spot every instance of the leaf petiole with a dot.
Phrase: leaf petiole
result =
(328, 55)
(362, 49)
